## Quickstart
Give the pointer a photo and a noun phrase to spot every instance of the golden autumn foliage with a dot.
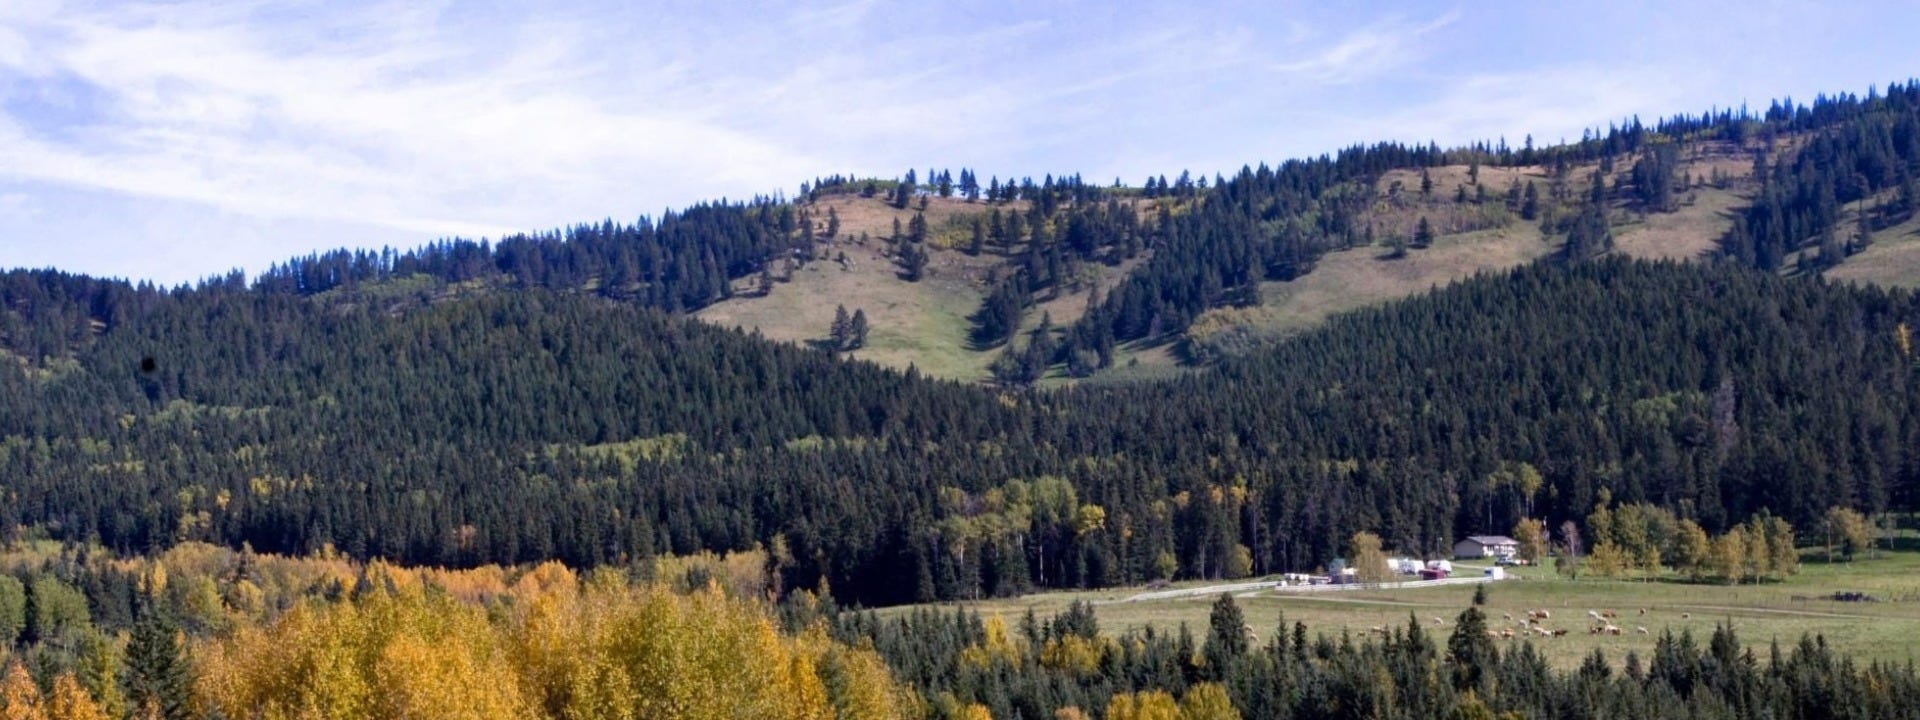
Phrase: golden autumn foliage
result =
(21, 699)
(396, 655)
(323, 637)
(551, 647)
(1205, 701)
(997, 646)
(1149, 705)
(1074, 653)
(69, 701)
(743, 574)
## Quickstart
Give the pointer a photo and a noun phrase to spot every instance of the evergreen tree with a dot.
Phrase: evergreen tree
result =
(904, 191)
(159, 680)
(1226, 637)
(840, 334)
(1471, 653)
(857, 330)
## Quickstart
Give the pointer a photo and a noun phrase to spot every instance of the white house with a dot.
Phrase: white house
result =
(1477, 547)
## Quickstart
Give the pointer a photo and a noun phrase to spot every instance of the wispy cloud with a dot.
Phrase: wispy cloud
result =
(1365, 53)
(397, 124)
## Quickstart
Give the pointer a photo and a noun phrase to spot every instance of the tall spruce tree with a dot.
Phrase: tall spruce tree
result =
(159, 682)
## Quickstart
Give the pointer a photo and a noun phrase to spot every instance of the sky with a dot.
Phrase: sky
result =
(170, 141)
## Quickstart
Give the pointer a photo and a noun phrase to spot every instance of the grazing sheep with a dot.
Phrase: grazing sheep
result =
(1641, 630)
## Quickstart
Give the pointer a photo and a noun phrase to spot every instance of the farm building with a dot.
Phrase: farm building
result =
(1485, 546)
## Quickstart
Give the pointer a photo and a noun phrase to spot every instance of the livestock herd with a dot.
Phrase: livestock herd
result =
(1533, 624)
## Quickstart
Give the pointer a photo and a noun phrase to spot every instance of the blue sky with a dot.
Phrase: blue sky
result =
(174, 140)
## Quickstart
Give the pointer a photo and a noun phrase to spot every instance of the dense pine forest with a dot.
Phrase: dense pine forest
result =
(520, 427)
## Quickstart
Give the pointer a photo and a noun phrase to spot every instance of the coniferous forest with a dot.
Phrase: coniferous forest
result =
(518, 427)
(476, 404)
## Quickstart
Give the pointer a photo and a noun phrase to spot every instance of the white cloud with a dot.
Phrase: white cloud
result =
(398, 125)
(1363, 54)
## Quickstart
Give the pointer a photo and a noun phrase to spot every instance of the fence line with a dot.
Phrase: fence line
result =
(1277, 587)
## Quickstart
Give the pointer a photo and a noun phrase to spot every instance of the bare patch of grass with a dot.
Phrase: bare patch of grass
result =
(1893, 260)
(1689, 233)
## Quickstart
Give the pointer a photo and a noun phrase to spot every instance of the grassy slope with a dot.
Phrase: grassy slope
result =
(1360, 277)
(924, 323)
(1760, 613)
(1892, 260)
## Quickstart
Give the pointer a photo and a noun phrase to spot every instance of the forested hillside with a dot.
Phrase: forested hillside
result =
(544, 397)
(527, 426)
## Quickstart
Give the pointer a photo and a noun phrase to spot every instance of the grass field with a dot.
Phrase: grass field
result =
(1785, 610)
(923, 323)
(1893, 260)
(1361, 277)
(1689, 233)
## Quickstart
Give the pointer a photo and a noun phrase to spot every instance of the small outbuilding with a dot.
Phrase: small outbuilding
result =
(1478, 547)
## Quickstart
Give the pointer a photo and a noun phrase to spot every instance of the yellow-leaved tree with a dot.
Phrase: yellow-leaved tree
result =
(1207, 701)
(19, 697)
(70, 701)
(1148, 705)
(400, 654)
(552, 647)
(1366, 558)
